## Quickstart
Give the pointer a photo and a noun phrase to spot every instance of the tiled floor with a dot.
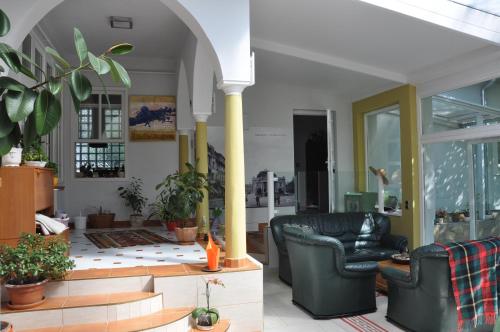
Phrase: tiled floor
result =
(87, 256)
(281, 315)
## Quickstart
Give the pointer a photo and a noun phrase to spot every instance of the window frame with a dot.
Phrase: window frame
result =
(75, 133)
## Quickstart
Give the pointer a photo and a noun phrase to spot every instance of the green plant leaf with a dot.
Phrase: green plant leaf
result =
(10, 57)
(81, 85)
(80, 45)
(57, 57)
(118, 73)
(6, 125)
(214, 318)
(27, 72)
(11, 84)
(198, 311)
(47, 112)
(76, 102)
(100, 66)
(121, 49)
(4, 23)
(7, 142)
(55, 85)
(19, 104)
(29, 132)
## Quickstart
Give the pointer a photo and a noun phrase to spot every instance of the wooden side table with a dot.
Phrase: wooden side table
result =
(381, 283)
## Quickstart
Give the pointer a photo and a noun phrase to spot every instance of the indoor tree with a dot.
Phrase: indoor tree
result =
(29, 112)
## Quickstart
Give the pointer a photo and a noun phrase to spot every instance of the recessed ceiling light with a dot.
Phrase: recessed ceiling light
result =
(120, 22)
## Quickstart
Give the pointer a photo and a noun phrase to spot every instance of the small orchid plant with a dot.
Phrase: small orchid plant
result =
(206, 316)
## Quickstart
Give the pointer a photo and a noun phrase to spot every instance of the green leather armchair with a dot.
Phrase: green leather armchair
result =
(423, 299)
(323, 284)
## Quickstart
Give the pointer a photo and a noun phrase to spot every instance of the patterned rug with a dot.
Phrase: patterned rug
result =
(127, 238)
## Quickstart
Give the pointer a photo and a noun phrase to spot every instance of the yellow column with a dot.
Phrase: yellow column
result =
(202, 167)
(183, 150)
(234, 180)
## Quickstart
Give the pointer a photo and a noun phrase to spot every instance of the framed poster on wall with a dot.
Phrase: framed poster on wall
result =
(152, 118)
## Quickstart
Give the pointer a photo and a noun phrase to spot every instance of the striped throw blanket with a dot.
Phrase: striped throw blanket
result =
(475, 278)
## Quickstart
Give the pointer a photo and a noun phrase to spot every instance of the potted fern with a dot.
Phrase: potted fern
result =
(179, 195)
(134, 198)
(26, 268)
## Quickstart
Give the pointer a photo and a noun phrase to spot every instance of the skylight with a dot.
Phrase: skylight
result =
(488, 6)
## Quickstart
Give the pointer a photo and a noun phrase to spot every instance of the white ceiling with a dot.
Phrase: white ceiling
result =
(348, 47)
(157, 31)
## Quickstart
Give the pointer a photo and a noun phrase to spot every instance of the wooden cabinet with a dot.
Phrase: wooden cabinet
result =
(24, 191)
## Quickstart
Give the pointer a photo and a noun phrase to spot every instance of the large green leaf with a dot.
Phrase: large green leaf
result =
(4, 23)
(55, 85)
(57, 57)
(6, 125)
(47, 112)
(11, 84)
(121, 49)
(198, 311)
(29, 131)
(80, 45)
(81, 85)
(76, 102)
(27, 72)
(100, 66)
(10, 57)
(7, 142)
(19, 104)
(118, 73)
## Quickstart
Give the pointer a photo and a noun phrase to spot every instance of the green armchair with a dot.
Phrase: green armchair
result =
(323, 284)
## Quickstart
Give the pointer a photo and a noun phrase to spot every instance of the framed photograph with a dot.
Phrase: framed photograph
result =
(152, 118)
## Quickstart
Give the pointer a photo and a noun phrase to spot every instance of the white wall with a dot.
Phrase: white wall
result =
(151, 161)
(271, 104)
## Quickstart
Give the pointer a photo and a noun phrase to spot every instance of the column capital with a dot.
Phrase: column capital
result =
(232, 87)
(201, 117)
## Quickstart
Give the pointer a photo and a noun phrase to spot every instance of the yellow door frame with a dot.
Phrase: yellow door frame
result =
(408, 223)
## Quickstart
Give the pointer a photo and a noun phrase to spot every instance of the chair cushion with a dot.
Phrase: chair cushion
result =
(368, 254)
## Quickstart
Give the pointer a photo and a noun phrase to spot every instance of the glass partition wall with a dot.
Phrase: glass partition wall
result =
(461, 165)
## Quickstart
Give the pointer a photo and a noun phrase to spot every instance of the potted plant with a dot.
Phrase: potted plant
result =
(26, 268)
(179, 195)
(34, 156)
(28, 112)
(14, 157)
(205, 317)
(101, 219)
(163, 209)
(55, 170)
(134, 198)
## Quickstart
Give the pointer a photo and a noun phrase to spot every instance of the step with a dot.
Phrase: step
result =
(99, 308)
(166, 320)
(221, 326)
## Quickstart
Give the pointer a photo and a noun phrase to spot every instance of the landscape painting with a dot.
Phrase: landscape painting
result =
(152, 118)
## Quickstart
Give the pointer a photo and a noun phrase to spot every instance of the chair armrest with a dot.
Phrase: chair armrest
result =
(397, 242)
(398, 277)
(362, 267)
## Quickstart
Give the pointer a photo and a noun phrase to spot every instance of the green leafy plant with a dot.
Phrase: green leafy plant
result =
(53, 166)
(34, 259)
(34, 152)
(38, 106)
(206, 316)
(133, 196)
(180, 193)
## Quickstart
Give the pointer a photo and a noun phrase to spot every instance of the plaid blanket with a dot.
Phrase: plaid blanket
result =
(475, 277)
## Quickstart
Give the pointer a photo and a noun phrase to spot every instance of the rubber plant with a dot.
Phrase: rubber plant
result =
(37, 108)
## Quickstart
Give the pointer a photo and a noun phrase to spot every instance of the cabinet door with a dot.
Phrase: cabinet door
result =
(44, 197)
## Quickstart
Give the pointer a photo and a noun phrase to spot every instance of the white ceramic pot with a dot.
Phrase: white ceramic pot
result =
(80, 222)
(36, 163)
(136, 220)
(12, 158)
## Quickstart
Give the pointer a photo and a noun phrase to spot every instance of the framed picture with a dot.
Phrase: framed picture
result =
(152, 118)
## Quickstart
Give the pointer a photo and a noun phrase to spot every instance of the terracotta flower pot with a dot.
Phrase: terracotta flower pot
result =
(186, 234)
(26, 296)
(171, 225)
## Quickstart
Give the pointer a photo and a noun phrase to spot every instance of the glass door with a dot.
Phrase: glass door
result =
(485, 183)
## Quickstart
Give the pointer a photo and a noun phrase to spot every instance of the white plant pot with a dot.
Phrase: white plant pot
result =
(36, 163)
(12, 158)
(136, 220)
(80, 222)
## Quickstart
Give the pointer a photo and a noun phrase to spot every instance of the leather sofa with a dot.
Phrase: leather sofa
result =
(323, 284)
(423, 299)
(365, 236)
